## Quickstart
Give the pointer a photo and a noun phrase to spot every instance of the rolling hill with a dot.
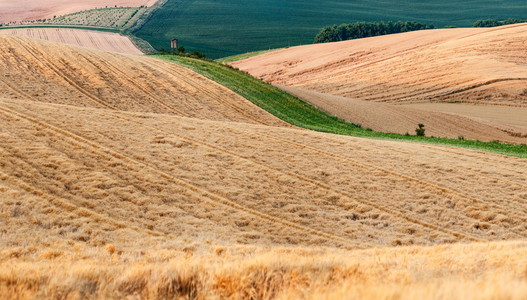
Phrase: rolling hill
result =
(483, 67)
(128, 176)
(54, 73)
(223, 28)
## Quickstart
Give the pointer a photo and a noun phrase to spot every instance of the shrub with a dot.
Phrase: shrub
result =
(420, 130)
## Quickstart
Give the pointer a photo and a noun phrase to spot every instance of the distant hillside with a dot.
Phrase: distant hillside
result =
(223, 28)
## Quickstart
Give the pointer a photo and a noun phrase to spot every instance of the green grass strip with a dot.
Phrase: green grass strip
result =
(302, 114)
(238, 57)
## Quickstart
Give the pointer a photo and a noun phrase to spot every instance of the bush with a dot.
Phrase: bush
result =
(420, 130)
(494, 23)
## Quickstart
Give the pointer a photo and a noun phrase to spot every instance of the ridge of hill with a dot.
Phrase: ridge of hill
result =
(470, 65)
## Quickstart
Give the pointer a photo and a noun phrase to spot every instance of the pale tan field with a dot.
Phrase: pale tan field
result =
(472, 65)
(504, 123)
(105, 41)
(149, 180)
(507, 117)
(27, 10)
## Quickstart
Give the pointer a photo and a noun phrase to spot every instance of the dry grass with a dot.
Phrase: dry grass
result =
(509, 118)
(99, 177)
(472, 271)
(50, 72)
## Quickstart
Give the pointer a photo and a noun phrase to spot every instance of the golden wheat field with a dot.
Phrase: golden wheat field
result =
(123, 176)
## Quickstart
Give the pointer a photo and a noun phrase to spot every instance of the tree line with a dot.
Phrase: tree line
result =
(494, 23)
(366, 29)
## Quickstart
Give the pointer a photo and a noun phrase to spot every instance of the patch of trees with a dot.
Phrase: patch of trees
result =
(494, 23)
(366, 29)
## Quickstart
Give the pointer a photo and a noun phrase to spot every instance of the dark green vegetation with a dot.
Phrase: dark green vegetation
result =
(360, 30)
(229, 27)
(495, 23)
(302, 114)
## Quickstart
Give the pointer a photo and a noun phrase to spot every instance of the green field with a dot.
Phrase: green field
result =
(229, 27)
(302, 114)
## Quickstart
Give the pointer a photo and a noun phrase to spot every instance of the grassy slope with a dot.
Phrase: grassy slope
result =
(233, 58)
(223, 28)
(301, 114)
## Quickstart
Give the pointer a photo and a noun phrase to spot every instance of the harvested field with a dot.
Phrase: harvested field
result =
(509, 124)
(50, 72)
(105, 41)
(27, 10)
(469, 65)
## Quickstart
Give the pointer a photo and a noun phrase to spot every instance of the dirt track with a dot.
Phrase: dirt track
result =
(27, 10)
(105, 41)
(403, 119)
(472, 65)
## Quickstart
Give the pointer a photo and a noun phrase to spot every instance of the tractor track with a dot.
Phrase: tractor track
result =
(213, 198)
(329, 188)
